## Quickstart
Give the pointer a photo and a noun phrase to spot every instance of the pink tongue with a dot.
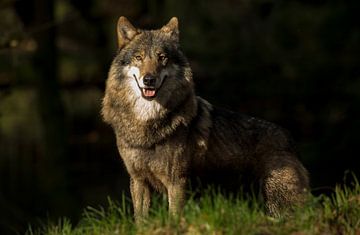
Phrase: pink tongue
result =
(149, 93)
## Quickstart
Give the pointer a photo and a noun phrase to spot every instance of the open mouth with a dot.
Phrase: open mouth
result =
(148, 93)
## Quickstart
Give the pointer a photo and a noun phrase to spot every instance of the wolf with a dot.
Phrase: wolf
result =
(166, 134)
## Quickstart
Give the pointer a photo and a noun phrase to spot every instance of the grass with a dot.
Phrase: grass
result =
(216, 214)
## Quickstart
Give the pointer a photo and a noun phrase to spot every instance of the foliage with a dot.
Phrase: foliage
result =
(216, 214)
(294, 63)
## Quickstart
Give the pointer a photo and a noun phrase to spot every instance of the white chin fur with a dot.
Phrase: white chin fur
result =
(146, 110)
(143, 109)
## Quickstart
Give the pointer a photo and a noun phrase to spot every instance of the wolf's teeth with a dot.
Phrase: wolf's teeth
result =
(148, 92)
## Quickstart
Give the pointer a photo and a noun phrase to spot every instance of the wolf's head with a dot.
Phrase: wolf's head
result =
(151, 61)
(149, 76)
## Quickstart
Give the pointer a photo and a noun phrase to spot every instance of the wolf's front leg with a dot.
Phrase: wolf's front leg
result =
(176, 196)
(140, 194)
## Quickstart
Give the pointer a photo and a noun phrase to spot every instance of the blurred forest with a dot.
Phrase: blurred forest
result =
(295, 63)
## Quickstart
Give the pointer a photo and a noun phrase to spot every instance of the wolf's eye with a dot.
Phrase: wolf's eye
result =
(138, 57)
(162, 57)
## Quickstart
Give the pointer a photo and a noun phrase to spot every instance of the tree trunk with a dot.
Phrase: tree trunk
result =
(53, 171)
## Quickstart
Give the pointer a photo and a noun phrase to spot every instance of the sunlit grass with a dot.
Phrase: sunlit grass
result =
(214, 213)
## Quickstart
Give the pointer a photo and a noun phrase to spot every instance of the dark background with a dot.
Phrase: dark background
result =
(294, 62)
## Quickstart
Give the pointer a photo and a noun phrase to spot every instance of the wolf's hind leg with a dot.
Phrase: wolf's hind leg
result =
(285, 184)
(140, 194)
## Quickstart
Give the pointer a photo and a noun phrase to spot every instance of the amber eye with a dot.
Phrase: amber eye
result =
(138, 57)
(162, 57)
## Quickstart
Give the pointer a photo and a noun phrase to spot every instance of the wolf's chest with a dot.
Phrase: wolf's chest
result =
(159, 159)
(157, 165)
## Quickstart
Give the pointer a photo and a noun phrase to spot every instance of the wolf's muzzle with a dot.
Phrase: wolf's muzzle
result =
(148, 91)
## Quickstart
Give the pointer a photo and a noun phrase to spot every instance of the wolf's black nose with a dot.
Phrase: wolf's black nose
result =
(149, 80)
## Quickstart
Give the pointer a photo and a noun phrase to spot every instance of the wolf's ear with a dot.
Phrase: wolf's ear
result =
(125, 31)
(172, 28)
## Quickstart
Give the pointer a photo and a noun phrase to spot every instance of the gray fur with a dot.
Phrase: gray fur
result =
(164, 140)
